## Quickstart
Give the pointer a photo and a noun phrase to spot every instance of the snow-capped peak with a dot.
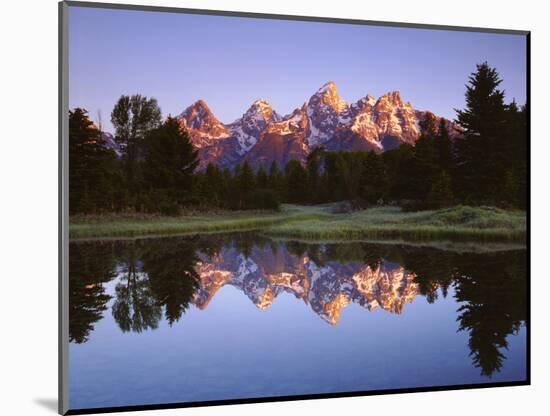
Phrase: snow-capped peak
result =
(325, 111)
(261, 110)
(248, 128)
(328, 95)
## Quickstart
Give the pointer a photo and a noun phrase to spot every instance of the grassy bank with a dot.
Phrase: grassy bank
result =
(134, 225)
(457, 223)
(319, 223)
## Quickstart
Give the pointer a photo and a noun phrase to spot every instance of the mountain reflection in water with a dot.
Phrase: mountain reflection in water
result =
(160, 279)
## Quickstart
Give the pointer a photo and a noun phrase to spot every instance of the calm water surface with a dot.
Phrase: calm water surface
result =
(239, 316)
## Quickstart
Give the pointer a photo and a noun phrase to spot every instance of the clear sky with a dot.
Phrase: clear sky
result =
(229, 62)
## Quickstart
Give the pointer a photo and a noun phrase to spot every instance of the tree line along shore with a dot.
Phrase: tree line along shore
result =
(153, 186)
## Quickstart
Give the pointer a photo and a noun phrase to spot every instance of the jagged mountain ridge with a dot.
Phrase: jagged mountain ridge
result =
(262, 135)
(327, 289)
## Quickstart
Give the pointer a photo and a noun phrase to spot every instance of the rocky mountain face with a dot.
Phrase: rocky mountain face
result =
(203, 127)
(326, 289)
(262, 136)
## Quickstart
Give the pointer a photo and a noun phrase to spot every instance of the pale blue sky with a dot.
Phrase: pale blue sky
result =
(229, 62)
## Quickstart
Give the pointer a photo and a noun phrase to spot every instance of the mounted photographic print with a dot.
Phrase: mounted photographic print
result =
(264, 208)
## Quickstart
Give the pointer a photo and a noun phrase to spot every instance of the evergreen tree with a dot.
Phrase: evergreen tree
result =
(313, 165)
(170, 160)
(484, 110)
(426, 166)
(245, 183)
(335, 175)
(274, 178)
(295, 182)
(246, 178)
(373, 181)
(426, 159)
(261, 177)
(200, 192)
(479, 154)
(213, 183)
(511, 188)
(237, 170)
(92, 171)
(399, 165)
(522, 155)
(441, 194)
(515, 184)
(444, 147)
(428, 125)
(226, 191)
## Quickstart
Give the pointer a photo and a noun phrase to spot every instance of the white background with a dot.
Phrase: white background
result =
(28, 172)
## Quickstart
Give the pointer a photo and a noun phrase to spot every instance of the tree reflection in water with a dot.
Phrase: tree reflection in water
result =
(135, 309)
(156, 275)
(90, 266)
(493, 292)
(171, 271)
(158, 278)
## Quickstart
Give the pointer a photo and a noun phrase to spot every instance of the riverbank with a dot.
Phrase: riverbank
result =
(318, 223)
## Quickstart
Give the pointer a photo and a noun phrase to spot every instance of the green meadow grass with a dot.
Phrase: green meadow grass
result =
(84, 227)
(461, 222)
(320, 224)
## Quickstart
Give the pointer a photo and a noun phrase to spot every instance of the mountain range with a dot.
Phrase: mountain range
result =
(262, 135)
(326, 288)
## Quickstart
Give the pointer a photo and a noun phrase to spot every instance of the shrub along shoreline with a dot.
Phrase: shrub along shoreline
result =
(319, 223)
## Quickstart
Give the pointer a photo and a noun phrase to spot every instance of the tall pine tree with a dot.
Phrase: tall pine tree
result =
(313, 166)
(170, 160)
(261, 177)
(296, 182)
(480, 152)
(92, 171)
(373, 184)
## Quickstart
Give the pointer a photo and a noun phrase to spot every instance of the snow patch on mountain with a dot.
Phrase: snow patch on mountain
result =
(245, 141)
(248, 128)
(288, 124)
